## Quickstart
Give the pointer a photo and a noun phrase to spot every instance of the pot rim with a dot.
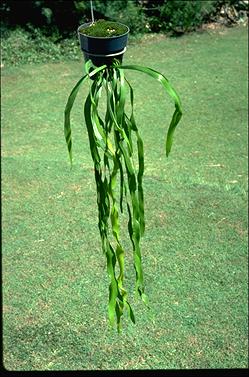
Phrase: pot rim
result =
(92, 37)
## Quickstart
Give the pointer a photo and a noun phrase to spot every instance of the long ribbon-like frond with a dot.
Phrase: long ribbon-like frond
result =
(69, 105)
(171, 91)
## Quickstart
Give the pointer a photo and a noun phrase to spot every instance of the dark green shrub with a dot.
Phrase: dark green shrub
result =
(21, 47)
(129, 13)
(177, 16)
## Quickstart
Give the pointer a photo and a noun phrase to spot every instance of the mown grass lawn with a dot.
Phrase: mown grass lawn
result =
(55, 285)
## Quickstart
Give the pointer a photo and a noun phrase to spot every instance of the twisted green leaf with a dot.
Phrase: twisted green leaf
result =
(69, 105)
(169, 89)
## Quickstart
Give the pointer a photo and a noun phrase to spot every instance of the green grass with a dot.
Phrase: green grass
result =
(195, 246)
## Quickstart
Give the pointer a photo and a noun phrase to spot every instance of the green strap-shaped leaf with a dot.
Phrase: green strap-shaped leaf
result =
(110, 118)
(102, 138)
(104, 212)
(67, 125)
(113, 288)
(69, 105)
(88, 120)
(164, 81)
(140, 150)
(134, 221)
(134, 215)
(133, 229)
(112, 106)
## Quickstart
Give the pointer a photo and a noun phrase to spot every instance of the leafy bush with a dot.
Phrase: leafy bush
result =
(20, 47)
(177, 16)
(129, 13)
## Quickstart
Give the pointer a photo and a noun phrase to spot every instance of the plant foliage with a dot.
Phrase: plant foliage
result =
(112, 149)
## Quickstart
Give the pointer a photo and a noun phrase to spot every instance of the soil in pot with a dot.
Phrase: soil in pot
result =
(104, 29)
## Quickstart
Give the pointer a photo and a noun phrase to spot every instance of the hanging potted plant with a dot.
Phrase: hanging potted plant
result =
(111, 138)
(102, 41)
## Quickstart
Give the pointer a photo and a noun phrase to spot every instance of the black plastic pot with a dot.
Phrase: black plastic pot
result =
(102, 50)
